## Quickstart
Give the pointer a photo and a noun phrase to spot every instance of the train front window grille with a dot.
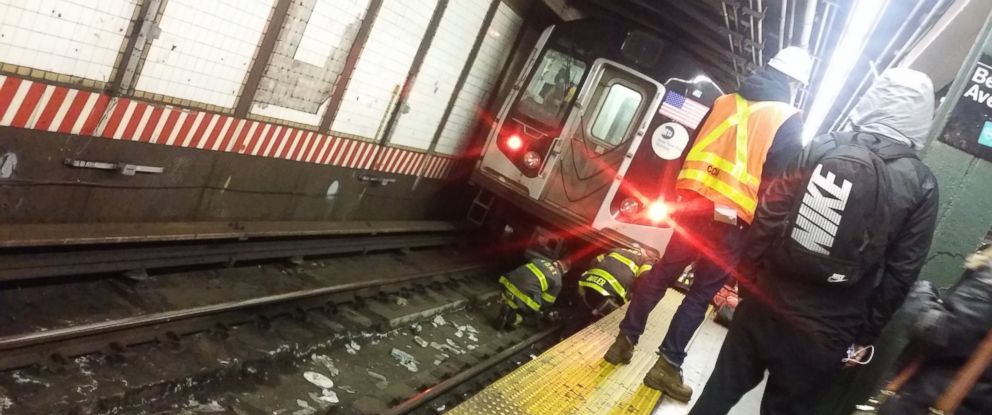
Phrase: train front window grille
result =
(616, 114)
(552, 89)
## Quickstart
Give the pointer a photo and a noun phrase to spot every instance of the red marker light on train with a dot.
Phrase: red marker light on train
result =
(657, 211)
(514, 142)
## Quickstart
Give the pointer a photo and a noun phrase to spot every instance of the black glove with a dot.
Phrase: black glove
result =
(505, 320)
(930, 329)
(923, 296)
(925, 313)
(553, 316)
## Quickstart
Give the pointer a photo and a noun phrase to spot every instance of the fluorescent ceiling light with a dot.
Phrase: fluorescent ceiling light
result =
(862, 18)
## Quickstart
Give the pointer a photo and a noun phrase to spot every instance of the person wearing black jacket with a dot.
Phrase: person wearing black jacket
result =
(800, 332)
(944, 333)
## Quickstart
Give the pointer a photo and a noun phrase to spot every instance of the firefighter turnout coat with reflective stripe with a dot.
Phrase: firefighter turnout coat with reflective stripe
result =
(726, 160)
(532, 285)
(613, 273)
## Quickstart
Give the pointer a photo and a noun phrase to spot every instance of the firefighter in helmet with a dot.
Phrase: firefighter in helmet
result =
(529, 291)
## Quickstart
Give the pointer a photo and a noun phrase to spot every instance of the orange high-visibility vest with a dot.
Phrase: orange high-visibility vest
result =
(724, 164)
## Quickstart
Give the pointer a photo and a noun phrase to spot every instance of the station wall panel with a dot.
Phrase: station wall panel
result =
(383, 66)
(49, 108)
(482, 77)
(308, 57)
(204, 50)
(76, 38)
(447, 55)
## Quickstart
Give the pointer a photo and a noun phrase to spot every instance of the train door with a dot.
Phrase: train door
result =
(520, 151)
(604, 133)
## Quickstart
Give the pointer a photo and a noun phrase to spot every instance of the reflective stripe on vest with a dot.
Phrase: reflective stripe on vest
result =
(738, 184)
(512, 289)
(617, 287)
(595, 287)
(626, 261)
(644, 268)
(544, 282)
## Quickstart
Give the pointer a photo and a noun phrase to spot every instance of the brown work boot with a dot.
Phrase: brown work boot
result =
(667, 378)
(620, 351)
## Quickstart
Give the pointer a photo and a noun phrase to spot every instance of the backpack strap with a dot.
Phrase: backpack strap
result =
(903, 151)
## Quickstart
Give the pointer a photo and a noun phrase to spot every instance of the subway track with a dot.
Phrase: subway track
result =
(366, 332)
(74, 258)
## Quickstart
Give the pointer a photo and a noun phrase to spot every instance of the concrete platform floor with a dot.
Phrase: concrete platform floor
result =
(703, 351)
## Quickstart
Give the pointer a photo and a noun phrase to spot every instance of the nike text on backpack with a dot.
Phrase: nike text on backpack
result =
(838, 229)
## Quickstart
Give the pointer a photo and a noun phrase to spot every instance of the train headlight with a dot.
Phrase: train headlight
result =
(514, 142)
(657, 211)
(629, 207)
(532, 160)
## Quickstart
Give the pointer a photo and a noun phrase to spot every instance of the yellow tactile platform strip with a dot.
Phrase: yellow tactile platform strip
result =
(573, 378)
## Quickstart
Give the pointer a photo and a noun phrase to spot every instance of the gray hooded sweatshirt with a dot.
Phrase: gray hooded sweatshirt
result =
(899, 106)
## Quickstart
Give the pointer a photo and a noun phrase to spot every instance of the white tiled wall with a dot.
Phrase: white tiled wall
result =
(307, 59)
(442, 65)
(480, 82)
(383, 65)
(205, 49)
(80, 38)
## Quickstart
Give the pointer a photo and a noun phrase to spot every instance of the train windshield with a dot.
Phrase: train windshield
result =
(552, 89)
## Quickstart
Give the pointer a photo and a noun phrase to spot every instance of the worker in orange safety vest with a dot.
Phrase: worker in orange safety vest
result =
(746, 140)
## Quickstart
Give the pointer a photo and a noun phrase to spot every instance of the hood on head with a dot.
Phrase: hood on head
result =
(899, 105)
(766, 85)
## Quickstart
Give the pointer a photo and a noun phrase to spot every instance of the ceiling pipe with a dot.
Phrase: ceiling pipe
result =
(792, 21)
(924, 25)
(750, 17)
(761, 36)
(921, 27)
(730, 41)
(781, 24)
(808, 23)
(826, 26)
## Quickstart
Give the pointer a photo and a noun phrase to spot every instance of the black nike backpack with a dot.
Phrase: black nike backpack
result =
(839, 225)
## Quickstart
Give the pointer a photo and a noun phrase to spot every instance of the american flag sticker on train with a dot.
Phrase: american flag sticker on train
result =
(683, 110)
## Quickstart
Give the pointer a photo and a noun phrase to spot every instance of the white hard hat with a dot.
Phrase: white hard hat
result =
(795, 62)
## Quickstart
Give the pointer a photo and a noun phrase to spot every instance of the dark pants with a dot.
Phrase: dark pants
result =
(705, 240)
(799, 368)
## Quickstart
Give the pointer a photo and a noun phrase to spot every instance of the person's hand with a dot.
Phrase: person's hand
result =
(925, 290)
(858, 355)
(922, 296)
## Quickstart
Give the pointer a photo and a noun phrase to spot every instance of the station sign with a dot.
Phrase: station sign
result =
(969, 126)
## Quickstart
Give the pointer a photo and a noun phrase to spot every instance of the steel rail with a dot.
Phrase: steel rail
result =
(89, 260)
(465, 375)
(14, 349)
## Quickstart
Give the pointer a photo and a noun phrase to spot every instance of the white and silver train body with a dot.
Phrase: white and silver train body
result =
(591, 137)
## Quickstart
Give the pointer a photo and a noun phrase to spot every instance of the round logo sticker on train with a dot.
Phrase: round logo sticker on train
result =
(669, 139)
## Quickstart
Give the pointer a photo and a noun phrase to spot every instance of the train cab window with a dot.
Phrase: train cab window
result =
(616, 114)
(552, 88)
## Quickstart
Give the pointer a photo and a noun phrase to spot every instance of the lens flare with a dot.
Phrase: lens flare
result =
(657, 211)
(514, 142)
